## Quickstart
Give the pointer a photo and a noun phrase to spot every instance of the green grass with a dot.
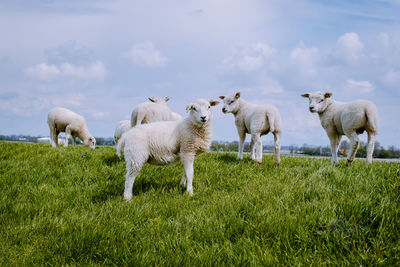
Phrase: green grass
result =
(64, 206)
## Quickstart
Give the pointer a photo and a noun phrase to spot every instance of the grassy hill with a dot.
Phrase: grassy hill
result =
(65, 206)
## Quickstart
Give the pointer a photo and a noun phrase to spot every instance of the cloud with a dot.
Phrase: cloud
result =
(361, 86)
(304, 59)
(45, 72)
(348, 49)
(30, 105)
(248, 59)
(146, 55)
(391, 78)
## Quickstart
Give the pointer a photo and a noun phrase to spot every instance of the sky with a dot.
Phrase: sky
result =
(101, 58)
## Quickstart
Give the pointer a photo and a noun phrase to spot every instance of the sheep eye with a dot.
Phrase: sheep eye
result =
(231, 102)
(209, 107)
(321, 101)
(194, 109)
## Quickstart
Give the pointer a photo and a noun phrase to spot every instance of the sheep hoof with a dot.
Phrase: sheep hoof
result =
(349, 162)
(128, 198)
(258, 161)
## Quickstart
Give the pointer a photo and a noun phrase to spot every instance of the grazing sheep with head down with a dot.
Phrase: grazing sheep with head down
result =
(163, 142)
(74, 125)
(348, 119)
(121, 128)
(156, 110)
(255, 120)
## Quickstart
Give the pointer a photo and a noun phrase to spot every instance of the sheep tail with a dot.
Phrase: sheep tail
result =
(372, 118)
(271, 121)
(120, 146)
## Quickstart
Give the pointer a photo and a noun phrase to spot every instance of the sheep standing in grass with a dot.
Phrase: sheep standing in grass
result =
(74, 125)
(256, 120)
(156, 110)
(163, 142)
(348, 119)
(122, 127)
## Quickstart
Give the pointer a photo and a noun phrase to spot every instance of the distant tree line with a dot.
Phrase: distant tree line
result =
(101, 141)
(305, 149)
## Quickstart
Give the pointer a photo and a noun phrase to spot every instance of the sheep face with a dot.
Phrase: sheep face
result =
(91, 142)
(318, 102)
(200, 111)
(231, 103)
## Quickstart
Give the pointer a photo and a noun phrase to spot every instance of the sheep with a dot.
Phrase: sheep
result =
(74, 125)
(157, 110)
(121, 128)
(348, 119)
(256, 120)
(160, 143)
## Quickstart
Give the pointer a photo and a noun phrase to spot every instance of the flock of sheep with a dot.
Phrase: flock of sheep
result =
(159, 136)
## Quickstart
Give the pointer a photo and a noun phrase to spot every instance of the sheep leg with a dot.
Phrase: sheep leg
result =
(242, 137)
(188, 172)
(370, 148)
(131, 173)
(184, 179)
(353, 147)
(252, 148)
(67, 135)
(56, 137)
(257, 140)
(334, 140)
(52, 136)
(277, 147)
(73, 140)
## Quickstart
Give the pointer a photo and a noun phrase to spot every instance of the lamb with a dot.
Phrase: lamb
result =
(256, 120)
(157, 110)
(74, 125)
(122, 127)
(348, 119)
(163, 142)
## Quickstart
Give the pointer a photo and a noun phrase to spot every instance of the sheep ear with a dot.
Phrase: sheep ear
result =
(221, 97)
(213, 103)
(166, 99)
(327, 95)
(151, 99)
(189, 107)
(237, 95)
(305, 95)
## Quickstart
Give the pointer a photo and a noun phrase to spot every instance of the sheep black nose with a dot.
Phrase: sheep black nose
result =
(203, 118)
(223, 110)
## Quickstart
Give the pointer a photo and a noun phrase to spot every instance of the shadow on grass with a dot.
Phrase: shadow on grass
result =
(111, 160)
(228, 157)
(145, 185)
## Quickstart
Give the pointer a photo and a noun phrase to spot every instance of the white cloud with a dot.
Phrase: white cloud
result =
(348, 48)
(97, 114)
(361, 86)
(305, 59)
(31, 105)
(248, 59)
(146, 55)
(45, 72)
(392, 78)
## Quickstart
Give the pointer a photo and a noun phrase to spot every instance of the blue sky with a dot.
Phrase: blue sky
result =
(102, 58)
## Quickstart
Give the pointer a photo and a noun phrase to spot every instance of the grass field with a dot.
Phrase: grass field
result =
(65, 206)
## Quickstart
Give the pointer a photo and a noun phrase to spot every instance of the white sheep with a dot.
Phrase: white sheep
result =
(156, 110)
(74, 125)
(163, 142)
(256, 120)
(348, 119)
(122, 127)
